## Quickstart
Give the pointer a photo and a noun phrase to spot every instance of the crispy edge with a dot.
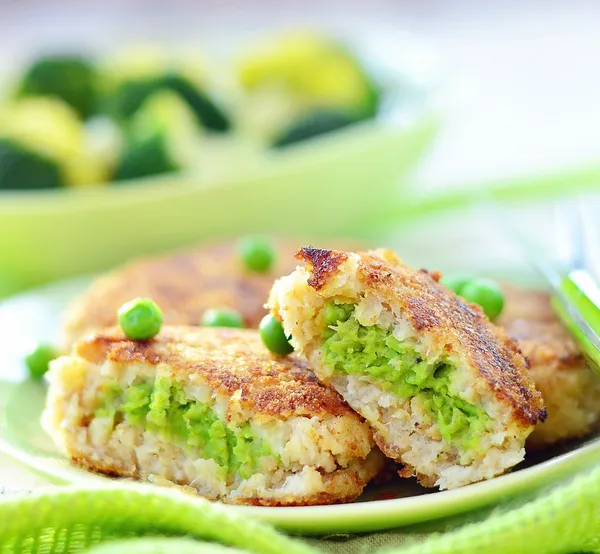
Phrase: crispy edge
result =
(321, 498)
(104, 467)
(457, 325)
(325, 263)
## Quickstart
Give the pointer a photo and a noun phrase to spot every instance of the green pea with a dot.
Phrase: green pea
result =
(335, 313)
(456, 283)
(332, 314)
(140, 319)
(273, 337)
(486, 293)
(222, 317)
(38, 361)
(257, 253)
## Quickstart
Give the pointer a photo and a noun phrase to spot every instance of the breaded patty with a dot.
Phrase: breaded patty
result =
(446, 392)
(571, 390)
(184, 284)
(210, 409)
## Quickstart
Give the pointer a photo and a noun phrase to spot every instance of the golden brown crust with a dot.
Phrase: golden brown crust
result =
(406, 472)
(184, 284)
(105, 467)
(324, 263)
(318, 499)
(453, 324)
(230, 361)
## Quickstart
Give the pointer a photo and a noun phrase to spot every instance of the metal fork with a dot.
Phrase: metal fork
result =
(575, 293)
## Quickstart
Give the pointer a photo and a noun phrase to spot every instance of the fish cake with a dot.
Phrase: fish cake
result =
(446, 392)
(184, 284)
(570, 388)
(210, 409)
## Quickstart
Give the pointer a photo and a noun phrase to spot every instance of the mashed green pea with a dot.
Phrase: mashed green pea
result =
(163, 407)
(398, 367)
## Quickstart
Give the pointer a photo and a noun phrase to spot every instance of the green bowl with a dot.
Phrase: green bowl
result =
(318, 187)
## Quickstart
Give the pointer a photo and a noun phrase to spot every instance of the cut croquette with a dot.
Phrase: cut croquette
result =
(446, 392)
(210, 409)
(570, 388)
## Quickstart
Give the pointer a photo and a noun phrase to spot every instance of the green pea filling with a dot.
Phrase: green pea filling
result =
(398, 367)
(164, 408)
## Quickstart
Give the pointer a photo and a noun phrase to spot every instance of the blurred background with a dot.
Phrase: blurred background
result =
(486, 93)
(524, 72)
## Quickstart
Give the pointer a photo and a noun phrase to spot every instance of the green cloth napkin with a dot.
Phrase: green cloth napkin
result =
(137, 518)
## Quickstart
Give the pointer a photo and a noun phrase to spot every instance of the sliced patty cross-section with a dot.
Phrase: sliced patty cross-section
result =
(210, 409)
(447, 392)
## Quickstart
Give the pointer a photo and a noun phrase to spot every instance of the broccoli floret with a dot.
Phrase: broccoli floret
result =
(145, 157)
(208, 114)
(314, 70)
(50, 128)
(24, 169)
(160, 137)
(73, 79)
(314, 124)
(131, 95)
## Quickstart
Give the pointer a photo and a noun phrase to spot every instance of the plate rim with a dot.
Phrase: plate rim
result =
(367, 516)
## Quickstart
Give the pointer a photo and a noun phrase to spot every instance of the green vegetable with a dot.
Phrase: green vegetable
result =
(136, 403)
(209, 115)
(222, 317)
(397, 366)
(24, 169)
(257, 253)
(314, 124)
(51, 129)
(456, 283)
(311, 69)
(486, 293)
(160, 138)
(337, 312)
(145, 157)
(110, 391)
(70, 78)
(163, 407)
(131, 95)
(37, 362)
(273, 337)
(140, 319)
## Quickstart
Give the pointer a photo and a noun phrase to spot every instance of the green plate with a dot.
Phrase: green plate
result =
(34, 316)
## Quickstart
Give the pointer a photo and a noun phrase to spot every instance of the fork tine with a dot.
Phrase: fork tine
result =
(570, 234)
